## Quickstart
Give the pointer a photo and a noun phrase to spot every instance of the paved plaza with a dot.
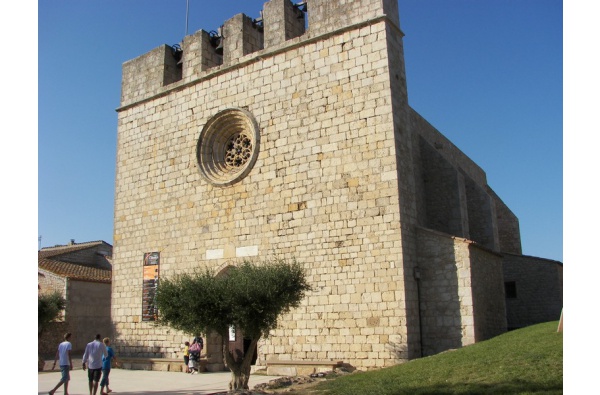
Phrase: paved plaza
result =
(142, 382)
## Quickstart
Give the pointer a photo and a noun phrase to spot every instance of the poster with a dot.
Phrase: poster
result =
(150, 283)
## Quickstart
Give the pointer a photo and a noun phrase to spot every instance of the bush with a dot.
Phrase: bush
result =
(49, 308)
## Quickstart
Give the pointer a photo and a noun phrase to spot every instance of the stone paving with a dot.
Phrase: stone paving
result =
(142, 382)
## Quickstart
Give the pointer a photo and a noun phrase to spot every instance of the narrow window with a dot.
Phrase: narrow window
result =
(510, 289)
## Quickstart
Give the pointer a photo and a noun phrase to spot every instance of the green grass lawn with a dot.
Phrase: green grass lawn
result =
(525, 361)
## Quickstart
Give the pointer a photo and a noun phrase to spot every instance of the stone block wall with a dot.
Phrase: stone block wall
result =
(487, 289)
(199, 54)
(539, 292)
(481, 214)
(461, 292)
(451, 200)
(445, 292)
(509, 239)
(453, 193)
(325, 16)
(447, 149)
(88, 312)
(241, 37)
(324, 190)
(51, 338)
(403, 139)
(49, 282)
(442, 197)
(282, 21)
(148, 74)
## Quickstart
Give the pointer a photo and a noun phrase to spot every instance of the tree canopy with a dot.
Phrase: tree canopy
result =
(250, 297)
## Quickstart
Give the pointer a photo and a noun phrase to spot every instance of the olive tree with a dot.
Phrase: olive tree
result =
(250, 297)
(49, 309)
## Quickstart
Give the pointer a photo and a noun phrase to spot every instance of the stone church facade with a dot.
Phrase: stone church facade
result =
(291, 135)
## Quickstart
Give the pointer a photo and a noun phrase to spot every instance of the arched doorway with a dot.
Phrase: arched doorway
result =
(239, 345)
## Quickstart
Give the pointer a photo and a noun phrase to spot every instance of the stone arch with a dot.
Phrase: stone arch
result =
(224, 268)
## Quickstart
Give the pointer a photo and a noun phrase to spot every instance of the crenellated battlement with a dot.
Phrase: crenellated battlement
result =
(325, 16)
(282, 23)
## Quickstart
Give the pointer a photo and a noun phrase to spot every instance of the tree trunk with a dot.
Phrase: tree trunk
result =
(239, 381)
(240, 370)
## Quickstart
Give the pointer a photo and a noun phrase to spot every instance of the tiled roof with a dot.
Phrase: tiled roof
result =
(64, 249)
(49, 260)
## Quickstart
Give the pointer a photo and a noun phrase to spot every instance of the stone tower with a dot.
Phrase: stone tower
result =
(292, 135)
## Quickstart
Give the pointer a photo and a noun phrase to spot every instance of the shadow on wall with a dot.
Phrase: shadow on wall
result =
(138, 349)
(399, 350)
(440, 293)
(153, 348)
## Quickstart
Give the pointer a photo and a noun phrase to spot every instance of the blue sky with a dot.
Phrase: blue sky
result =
(487, 74)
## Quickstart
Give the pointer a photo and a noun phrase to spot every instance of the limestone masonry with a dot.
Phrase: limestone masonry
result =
(292, 135)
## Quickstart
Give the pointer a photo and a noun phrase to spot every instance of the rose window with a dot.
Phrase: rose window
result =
(228, 146)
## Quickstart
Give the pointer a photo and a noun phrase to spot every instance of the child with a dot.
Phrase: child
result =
(106, 365)
(186, 356)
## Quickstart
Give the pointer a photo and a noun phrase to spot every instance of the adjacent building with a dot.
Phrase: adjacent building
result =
(82, 274)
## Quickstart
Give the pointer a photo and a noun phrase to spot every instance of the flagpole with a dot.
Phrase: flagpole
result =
(187, 9)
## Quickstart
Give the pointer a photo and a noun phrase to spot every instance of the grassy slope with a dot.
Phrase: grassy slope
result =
(525, 361)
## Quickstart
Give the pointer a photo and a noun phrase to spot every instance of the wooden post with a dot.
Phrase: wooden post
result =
(560, 322)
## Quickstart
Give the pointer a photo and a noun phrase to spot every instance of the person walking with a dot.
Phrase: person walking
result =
(195, 351)
(106, 365)
(92, 360)
(63, 356)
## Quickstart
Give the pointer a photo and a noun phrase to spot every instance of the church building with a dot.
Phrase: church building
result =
(292, 135)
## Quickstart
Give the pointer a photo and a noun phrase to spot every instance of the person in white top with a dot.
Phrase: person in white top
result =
(63, 356)
(92, 360)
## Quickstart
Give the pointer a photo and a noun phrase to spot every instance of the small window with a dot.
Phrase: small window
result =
(510, 289)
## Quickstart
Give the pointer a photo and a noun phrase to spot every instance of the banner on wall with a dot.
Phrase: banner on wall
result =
(151, 264)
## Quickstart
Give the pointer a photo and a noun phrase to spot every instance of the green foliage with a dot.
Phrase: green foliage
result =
(249, 296)
(49, 308)
(525, 361)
